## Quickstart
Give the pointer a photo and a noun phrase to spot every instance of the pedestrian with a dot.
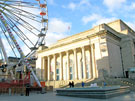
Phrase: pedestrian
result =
(82, 84)
(27, 90)
(72, 84)
(105, 83)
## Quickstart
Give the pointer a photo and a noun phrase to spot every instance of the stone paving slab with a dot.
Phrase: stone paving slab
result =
(51, 96)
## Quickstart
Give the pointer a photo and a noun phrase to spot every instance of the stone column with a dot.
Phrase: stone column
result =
(61, 67)
(84, 62)
(42, 67)
(67, 68)
(93, 61)
(49, 68)
(45, 69)
(75, 65)
(54, 56)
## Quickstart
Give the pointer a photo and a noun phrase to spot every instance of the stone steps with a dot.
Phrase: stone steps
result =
(94, 92)
(111, 82)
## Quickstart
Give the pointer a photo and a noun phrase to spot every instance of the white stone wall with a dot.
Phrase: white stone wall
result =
(101, 56)
(115, 61)
(127, 53)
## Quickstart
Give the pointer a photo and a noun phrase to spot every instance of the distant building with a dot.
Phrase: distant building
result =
(15, 61)
(105, 50)
(15, 66)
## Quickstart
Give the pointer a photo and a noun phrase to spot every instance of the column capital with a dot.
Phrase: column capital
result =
(48, 56)
(60, 53)
(67, 51)
(83, 47)
(74, 49)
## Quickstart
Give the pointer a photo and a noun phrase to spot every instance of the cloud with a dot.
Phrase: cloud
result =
(51, 2)
(74, 6)
(57, 29)
(56, 25)
(103, 20)
(90, 18)
(113, 4)
(130, 7)
(84, 2)
(97, 19)
(131, 25)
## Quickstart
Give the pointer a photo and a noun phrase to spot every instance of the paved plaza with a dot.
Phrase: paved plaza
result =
(51, 96)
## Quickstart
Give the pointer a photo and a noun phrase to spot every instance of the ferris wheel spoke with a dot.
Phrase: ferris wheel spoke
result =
(23, 15)
(18, 3)
(14, 25)
(20, 33)
(24, 11)
(26, 25)
(9, 42)
(32, 27)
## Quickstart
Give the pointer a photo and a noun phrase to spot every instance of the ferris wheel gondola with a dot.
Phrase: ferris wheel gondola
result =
(24, 24)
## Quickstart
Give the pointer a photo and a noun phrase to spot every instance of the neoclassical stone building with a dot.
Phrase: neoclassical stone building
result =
(105, 50)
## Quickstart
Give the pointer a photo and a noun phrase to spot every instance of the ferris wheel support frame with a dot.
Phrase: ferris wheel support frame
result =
(3, 50)
(24, 59)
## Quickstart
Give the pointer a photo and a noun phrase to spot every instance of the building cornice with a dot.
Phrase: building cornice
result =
(76, 40)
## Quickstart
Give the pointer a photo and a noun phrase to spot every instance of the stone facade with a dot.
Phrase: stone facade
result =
(105, 50)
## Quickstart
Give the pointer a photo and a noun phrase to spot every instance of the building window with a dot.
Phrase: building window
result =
(57, 78)
(82, 68)
(87, 67)
(71, 73)
(71, 69)
(57, 74)
(57, 71)
(71, 76)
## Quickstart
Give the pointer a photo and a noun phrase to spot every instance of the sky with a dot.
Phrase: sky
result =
(69, 17)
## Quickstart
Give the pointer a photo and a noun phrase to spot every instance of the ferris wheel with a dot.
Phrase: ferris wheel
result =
(23, 27)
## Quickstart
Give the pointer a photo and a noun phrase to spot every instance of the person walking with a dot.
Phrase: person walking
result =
(27, 90)
(82, 84)
(72, 84)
